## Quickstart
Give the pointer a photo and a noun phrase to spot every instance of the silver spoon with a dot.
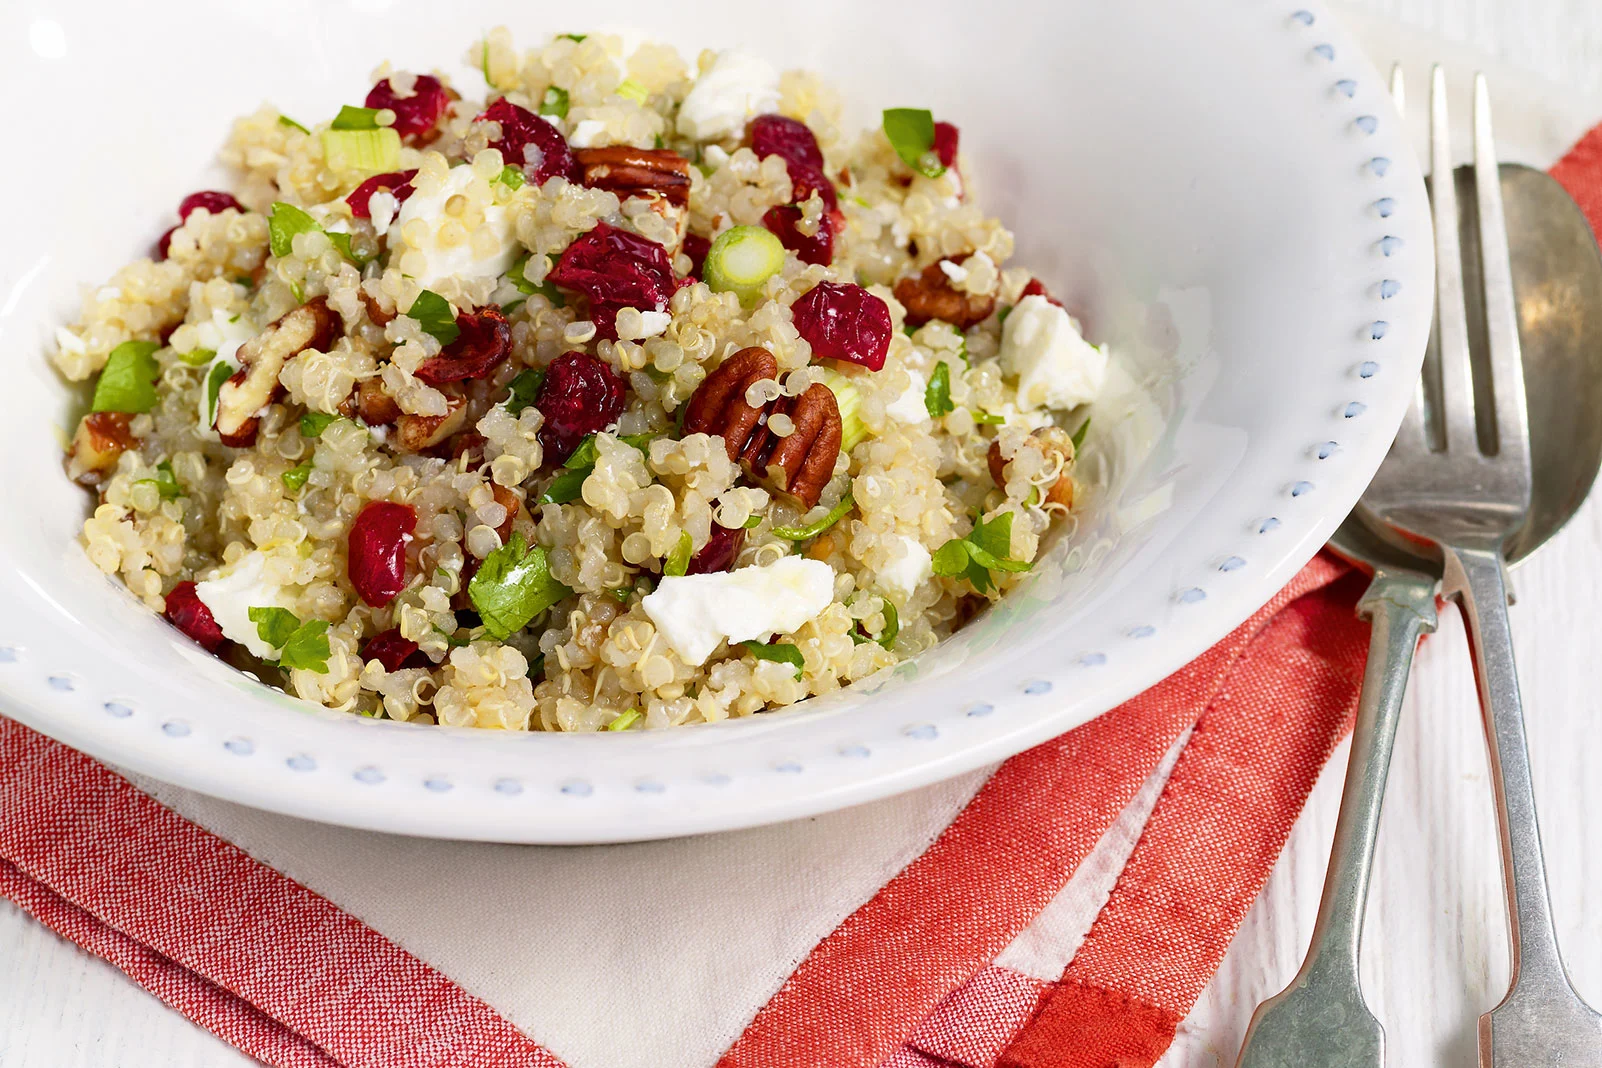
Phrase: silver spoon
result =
(1321, 1018)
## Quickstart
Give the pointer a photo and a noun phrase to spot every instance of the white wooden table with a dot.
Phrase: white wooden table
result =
(1435, 951)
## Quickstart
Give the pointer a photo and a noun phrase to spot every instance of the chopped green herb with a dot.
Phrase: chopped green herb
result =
(295, 478)
(937, 395)
(275, 626)
(987, 418)
(892, 624)
(198, 357)
(545, 289)
(307, 649)
(463, 636)
(368, 151)
(658, 143)
(576, 38)
(220, 372)
(283, 224)
(633, 90)
(585, 454)
(911, 132)
(565, 487)
(752, 522)
(512, 305)
(342, 243)
(512, 586)
(435, 315)
(525, 387)
(1033, 498)
(849, 400)
(312, 424)
(511, 177)
(984, 550)
(483, 62)
(740, 260)
(554, 102)
(354, 118)
(812, 530)
(166, 482)
(782, 653)
(536, 667)
(1078, 438)
(128, 381)
(622, 594)
(285, 120)
(678, 561)
(625, 721)
(908, 329)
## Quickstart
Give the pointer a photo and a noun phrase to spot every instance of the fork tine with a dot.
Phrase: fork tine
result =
(1455, 407)
(1501, 315)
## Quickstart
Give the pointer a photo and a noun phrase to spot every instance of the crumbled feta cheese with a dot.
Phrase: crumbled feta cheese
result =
(696, 613)
(458, 260)
(223, 334)
(737, 87)
(714, 156)
(69, 342)
(653, 323)
(911, 407)
(381, 208)
(232, 593)
(907, 572)
(586, 133)
(954, 271)
(1055, 367)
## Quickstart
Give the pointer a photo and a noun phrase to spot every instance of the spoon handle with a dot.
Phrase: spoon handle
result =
(1542, 1020)
(1321, 1017)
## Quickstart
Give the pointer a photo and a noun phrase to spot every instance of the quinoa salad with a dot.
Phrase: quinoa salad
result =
(614, 390)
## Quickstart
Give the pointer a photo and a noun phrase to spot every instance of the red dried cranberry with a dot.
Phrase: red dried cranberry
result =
(393, 651)
(844, 322)
(696, 247)
(377, 562)
(805, 181)
(483, 341)
(397, 183)
(212, 200)
(719, 552)
(817, 248)
(164, 243)
(417, 114)
(580, 395)
(186, 611)
(945, 144)
(1037, 288)
(616, 269)
(794, 141)
(522, 130)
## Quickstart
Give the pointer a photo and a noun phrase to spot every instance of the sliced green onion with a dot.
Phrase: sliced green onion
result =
(525, 387)
(565, 487)
(911, 132)
(678, 561)
(128, 381)
(585, 454)
(937, 395)
(435, 315)
(1078, 438)
(198, 357)
(295, 478)
(554, 102)
(849, 400)
(892, 623)
(741, 259)
(633, 90)
(220, 372)
(283, 224)
(367, 151)
(576, 38)
(1001, 316)
(166, 482)
(813, 529)
(285, 120)
(354, 118)
(751, 522)
(625, 721)
(987, 418)
(782, 653)
(312, 424)
(511, 177)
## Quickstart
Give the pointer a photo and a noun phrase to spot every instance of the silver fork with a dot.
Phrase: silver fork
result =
(1458, 480)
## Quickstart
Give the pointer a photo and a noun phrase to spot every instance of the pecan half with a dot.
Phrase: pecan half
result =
(633, 172)
(718, 405)
(100, 439)
(1058, 446)
(414, 433)
(801, 463)
(930, 295)
(312, 325)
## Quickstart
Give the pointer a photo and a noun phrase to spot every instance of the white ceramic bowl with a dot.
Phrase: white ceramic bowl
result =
(1221, 190)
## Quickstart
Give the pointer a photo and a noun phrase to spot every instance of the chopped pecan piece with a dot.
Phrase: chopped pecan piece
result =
(512, 503)
(718, 405)
(633, 172)
(375, 406)
(930, 295)
(1058, 446)
(253, 386)
(375, 311)
(100, 439)
(414, 433)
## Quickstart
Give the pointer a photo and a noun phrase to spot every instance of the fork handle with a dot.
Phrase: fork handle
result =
(1540, 999)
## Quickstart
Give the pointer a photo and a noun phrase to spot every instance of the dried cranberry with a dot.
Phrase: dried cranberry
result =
(164, 243)
(945, 144)
(696, 247)
(616, 269)
(844, 322)
(483, 341)
(719, 552)
(187, 612)
(1037, 288)
(212, 200)
(817, 248)
(580, 395)
(377, 562)
(417, 114)
(794, 141)
(523, 131)
(805, 181)
(393, 651)
(397, 183)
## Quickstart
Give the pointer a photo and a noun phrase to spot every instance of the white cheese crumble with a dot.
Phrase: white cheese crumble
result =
(223, 334)
(232, 593)
(69, 342)
(696, 613)
(736, 87)
(586, 133)
(911, 407)
(381, 209)
(458, 261)
(1054, 365)
(954, 271)
(904, 574)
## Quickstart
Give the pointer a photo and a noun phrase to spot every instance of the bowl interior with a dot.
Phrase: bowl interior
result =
(1205, 188)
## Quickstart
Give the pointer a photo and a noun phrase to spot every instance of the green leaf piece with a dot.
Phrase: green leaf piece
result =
(812, 530)
(911, 132)
(525, 387)
(678, 561)
(511, 177)
(128, 381)
(354, 118)
(554, 102)
(197, 357)
(782, 653)
(512, 586)
(307, 648)
(937, 395)
(312, 424)
(275, 626)
(283, 224)
(166, 482)
(566, 487)
(295, 478)
(435, 315)
(1079, 435)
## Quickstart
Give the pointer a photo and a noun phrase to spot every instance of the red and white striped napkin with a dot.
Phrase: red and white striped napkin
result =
(1062, 911)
